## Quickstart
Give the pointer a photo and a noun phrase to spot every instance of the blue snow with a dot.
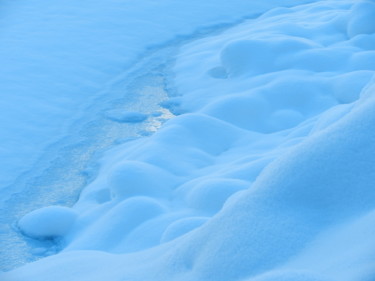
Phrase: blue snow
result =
(213, 141)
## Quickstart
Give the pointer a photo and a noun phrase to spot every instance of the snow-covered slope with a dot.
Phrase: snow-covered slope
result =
(266, 173)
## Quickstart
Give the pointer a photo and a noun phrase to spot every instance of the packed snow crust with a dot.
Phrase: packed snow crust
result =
(266, 174)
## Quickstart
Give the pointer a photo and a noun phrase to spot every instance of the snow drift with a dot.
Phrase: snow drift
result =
(266, 175)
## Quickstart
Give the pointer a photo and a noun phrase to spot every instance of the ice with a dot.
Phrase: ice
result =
(266, 173)
(126, 116)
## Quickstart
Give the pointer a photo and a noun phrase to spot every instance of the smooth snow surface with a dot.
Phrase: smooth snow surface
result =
(48, 222)
(266, 173)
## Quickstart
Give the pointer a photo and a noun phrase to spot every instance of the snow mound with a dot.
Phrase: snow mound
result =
(181, 227)
(209, 195)
(133, 178)
(48, 222)
(362, 18)
(261, 55)
(112, 227)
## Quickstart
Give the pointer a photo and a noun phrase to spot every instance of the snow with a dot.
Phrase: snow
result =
(132, 178)
(57, 59)
(361, 20)
(266, 173)
(48, 222)
(180, 227)
(64, 66)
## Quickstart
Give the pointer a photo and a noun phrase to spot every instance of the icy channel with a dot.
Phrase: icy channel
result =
(67, 165)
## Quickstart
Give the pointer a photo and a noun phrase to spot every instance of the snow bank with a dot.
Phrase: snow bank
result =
(268, 175)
